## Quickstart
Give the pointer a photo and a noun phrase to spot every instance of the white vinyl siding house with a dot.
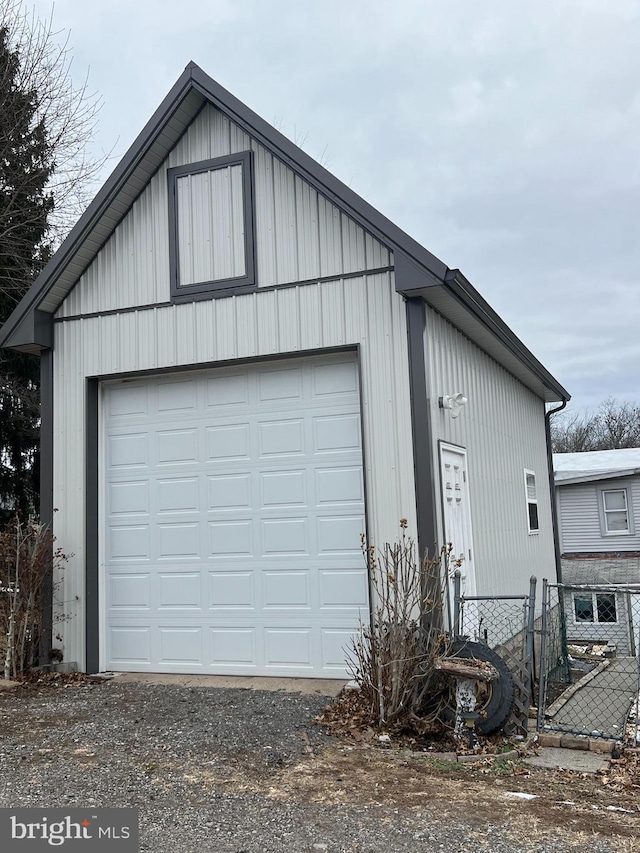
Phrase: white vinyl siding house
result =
(241, 364)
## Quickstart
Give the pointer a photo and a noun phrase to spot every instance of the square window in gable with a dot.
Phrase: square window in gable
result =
(211, 228)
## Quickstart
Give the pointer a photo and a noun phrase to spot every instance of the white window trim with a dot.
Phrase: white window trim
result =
(594, 604)
(615, 487)
(528, 500)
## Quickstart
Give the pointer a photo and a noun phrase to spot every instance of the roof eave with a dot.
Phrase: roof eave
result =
(453, 292)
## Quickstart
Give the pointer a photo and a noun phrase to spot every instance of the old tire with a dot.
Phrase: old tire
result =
(495, 698)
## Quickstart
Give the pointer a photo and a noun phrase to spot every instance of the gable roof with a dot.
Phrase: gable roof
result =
(586, 467)
(423, 275)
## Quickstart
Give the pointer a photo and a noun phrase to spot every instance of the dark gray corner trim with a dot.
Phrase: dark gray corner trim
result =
(411, 277)
(468, 296)
(46, 495)
(34, 333)
(185, 293)
(92, 620)
(552, 490)
(421, 424)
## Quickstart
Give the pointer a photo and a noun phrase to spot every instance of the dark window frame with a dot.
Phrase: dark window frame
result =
(220, 287)
(599, 602)
(533, 515)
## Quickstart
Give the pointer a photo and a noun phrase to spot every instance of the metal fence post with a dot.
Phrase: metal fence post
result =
(457, 602)
(542, 683)
(531, 625)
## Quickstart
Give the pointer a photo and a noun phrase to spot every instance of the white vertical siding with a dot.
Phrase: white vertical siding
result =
(299, 235)
(580, 517)
(208, 253)
(363, 311)
(502, 429)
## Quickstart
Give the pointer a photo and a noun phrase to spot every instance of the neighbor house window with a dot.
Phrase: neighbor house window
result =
(531, 496)
(595, 607)
(615, 510)
(211, 227)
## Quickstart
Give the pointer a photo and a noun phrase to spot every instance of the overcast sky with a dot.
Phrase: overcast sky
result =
(504, 136)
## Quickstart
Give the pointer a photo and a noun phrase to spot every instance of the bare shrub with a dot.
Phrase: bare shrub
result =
(394, 658)
(27, 556)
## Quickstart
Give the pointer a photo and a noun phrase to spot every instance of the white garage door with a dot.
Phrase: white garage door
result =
(232, 513)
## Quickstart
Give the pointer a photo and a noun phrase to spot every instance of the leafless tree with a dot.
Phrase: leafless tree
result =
(612, 426)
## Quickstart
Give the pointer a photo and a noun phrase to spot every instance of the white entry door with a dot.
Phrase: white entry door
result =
(233, 504)
(457, 512)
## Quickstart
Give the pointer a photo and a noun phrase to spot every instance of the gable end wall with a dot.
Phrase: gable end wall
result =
(299, 235)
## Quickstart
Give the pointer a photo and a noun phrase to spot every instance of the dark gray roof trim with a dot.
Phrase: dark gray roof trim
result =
(459, 302)
(418, 272)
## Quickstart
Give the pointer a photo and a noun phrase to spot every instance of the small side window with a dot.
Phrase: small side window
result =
(596, 607)
(615, 510)
(531, 497)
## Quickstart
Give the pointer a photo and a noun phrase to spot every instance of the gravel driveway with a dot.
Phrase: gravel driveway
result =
(244, 771)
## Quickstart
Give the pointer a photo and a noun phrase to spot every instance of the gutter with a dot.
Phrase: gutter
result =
(552, 487)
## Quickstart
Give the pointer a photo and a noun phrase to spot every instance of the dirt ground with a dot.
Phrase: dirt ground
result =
(161, 743)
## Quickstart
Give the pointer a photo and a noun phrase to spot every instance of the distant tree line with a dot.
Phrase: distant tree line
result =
(613, 425)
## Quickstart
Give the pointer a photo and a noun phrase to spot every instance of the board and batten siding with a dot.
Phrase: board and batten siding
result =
(579, 515)
(299, 235)
(502, 429)
(363, 311)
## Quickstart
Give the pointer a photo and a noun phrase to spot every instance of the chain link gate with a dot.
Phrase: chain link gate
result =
(590, 661)
(505, 624)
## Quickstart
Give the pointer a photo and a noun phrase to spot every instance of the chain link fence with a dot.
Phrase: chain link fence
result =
(505, 624)
(589, 661)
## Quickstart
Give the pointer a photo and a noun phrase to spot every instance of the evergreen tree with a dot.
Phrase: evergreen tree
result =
(46, 177)
(26, 165)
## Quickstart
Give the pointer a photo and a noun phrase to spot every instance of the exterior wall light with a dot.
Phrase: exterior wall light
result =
(453, 402)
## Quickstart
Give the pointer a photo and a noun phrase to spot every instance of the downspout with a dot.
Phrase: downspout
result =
(46, 497)
(552, 489)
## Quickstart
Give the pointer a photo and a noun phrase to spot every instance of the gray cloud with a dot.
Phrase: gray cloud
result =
(503, 136)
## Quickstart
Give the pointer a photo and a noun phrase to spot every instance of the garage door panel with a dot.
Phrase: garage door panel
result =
(177, 396)
(130, 591)
(334, 380)
(178, 540)
(288, 647)
(283, 488)
(177, 446)
(336, 434)
(223, 392)
(281, 437)
(177, 494)
(131, 542)
(180, 645)
(241, 493)
(285, 536)
(128, 450)
(127, 401)
(340, 534)
(227, 442)
(281, 384)
(342, 485)
(229, 491)
(230, 539)
(343, 589)
(232, 647)
(232, 590)
(179, 590)
(128, 498)
(284, 589)
(129, 644)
